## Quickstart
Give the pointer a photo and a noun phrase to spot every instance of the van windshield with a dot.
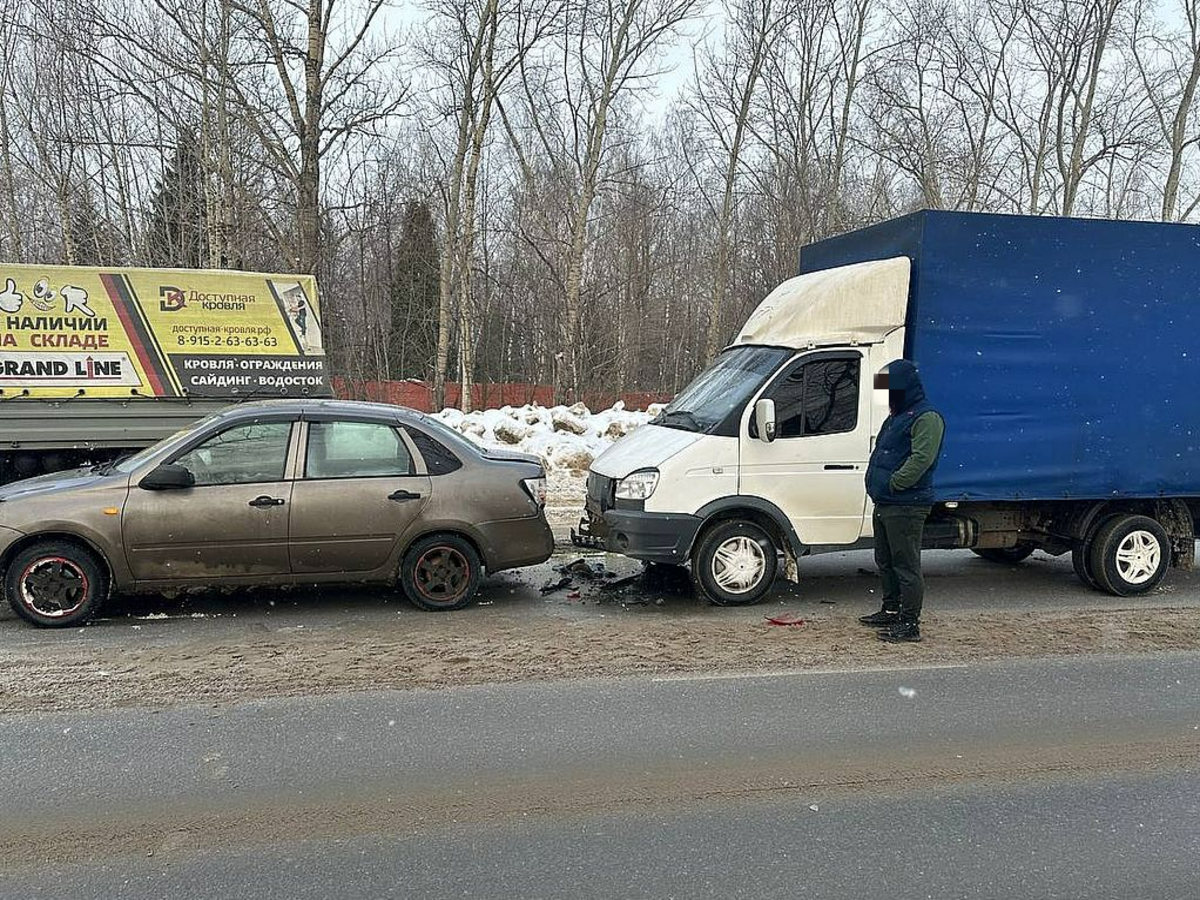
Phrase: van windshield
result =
(723, 387)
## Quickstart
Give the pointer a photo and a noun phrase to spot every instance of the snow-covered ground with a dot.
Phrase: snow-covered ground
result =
(567, 438)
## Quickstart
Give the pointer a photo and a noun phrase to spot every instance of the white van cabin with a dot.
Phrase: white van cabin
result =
(762, 458)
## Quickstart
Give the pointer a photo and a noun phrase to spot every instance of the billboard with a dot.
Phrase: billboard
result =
(68, 331)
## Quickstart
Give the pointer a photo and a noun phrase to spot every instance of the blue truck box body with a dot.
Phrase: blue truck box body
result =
(1063, 353)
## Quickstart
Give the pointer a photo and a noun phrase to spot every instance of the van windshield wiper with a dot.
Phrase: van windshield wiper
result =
(687, 420)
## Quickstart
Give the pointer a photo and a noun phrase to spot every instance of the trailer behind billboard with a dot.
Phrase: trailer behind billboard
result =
(99, 362)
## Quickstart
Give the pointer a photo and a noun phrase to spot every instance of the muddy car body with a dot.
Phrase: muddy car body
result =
(271, 493)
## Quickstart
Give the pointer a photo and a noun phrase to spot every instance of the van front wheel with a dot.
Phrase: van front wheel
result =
(735, 564)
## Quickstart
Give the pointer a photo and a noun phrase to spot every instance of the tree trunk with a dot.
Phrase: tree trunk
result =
(716, 322)
(1179, 124)
(308, 194)
(10, 191)
(567, 380)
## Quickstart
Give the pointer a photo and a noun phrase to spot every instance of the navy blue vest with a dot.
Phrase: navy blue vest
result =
(892, 448)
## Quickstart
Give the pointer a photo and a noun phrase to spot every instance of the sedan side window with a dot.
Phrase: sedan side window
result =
(439, 459)
(244, 454)
(355, 450)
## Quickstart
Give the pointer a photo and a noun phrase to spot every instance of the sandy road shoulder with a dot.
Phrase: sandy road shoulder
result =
(455, 650)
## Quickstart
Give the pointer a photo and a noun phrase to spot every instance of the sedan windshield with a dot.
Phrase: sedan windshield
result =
(723, 387)
(129, 464)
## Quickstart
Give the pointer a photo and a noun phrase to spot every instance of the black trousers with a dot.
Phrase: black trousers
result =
(898, 531)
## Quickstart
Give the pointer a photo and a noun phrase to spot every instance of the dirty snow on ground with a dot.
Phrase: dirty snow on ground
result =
(567, 438)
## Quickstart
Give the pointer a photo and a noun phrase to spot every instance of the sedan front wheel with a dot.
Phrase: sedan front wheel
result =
(55, 584)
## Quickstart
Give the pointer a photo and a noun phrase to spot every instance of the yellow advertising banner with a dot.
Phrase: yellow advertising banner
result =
(68, 331)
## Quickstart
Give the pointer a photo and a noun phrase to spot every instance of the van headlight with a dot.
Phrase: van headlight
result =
(638, 485)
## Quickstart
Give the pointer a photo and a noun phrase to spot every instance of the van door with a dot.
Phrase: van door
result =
(814, 470)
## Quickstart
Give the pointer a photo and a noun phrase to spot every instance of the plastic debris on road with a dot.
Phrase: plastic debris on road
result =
(784, 619)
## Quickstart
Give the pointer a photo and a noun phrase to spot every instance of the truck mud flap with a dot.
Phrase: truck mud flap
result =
(1176, 518)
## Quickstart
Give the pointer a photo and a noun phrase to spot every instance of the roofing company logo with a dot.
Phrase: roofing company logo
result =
(170, 299)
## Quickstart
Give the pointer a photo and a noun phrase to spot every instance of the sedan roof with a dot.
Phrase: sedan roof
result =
(301, 406)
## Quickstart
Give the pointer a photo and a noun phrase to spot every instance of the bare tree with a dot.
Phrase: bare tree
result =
(311, 93)
(607, 50)
(483, 46)
(569, 231)
(1168, 63)
(722, 98)
(1086, 110)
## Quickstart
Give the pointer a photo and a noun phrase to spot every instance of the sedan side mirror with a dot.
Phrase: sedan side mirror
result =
(764, 420)
(168, 477)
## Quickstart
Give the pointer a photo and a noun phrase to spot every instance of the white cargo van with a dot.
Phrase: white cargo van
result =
(1062, 353)
(768, 446)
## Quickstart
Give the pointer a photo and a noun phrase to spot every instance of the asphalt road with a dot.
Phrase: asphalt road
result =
(1067, 778)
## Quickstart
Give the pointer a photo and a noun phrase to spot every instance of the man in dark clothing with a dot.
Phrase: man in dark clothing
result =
(900, 482)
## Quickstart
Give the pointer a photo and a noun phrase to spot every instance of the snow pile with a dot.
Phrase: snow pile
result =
(567, 438)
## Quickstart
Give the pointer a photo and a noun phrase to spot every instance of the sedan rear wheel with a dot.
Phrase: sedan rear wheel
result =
(441, 572)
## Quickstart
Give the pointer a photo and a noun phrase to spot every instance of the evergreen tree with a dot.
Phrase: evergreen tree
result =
(92, 239)
(176, 221)
(414, 294)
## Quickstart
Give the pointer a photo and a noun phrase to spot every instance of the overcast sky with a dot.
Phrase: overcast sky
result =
(676, 60)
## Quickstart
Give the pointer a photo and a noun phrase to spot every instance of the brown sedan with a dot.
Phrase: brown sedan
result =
(280, 492)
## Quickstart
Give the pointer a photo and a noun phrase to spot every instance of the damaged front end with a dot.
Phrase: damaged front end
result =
(592, 530)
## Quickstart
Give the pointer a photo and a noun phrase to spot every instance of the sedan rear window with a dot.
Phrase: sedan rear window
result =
(439, 460)
(355, 450)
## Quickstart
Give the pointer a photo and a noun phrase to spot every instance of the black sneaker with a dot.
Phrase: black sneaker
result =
(885, 618)
(902, 633)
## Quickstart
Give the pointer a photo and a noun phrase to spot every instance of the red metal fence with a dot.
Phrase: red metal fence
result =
(419, 395)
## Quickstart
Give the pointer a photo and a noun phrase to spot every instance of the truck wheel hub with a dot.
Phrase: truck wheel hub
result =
(1138, 557)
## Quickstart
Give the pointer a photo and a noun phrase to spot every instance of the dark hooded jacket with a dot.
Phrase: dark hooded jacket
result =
(894, 445)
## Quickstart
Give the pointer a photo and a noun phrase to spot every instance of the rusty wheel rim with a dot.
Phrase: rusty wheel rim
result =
(442, 575)
(53, 587)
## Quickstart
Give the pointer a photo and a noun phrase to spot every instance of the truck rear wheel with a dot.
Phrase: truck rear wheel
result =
(1007, 555)
(1082, 564)
(735, 563)
(1130, 555)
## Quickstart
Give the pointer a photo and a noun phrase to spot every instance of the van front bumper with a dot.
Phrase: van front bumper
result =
(653, 537)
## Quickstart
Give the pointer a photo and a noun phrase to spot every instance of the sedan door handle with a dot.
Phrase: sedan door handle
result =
(264, 500)
(840, 466)
(402, 495)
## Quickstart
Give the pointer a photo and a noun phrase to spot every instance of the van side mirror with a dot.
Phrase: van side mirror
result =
(764, 420)
(168, 477)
